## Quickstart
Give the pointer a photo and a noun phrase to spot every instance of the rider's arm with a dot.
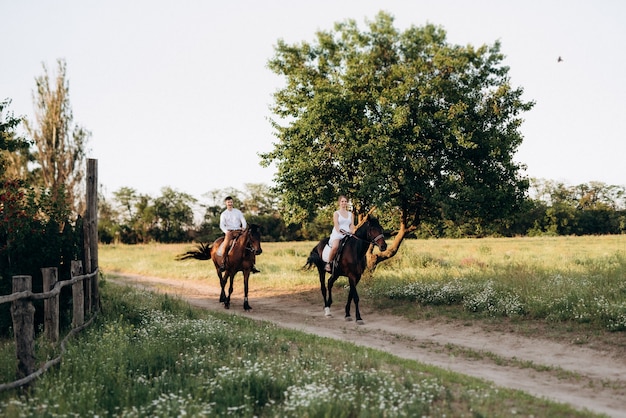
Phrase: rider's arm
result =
(336, 221)
(243, 221)
(223, 223)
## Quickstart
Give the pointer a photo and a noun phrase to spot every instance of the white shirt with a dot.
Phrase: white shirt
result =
(232, 219)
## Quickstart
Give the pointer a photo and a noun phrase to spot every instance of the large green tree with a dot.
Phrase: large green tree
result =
(401, 120)
(174, 214)
(60, 144)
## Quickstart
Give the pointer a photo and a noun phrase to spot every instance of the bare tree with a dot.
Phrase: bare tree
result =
(60, 145)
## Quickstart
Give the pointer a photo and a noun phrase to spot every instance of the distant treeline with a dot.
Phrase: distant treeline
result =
(551, 208)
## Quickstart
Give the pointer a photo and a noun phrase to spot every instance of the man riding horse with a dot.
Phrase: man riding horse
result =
(232, 223)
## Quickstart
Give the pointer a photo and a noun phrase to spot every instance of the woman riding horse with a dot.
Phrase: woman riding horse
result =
(352, 262)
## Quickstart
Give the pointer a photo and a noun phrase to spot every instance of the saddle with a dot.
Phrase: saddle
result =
(335, 261)
(221, 252)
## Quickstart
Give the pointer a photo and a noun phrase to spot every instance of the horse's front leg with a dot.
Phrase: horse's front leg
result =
(222, 285)
(230, 276)
(322, 274)
(246, 305)
(329, 301)
(353, 295)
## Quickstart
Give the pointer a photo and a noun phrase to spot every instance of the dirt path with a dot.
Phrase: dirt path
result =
(583, 377)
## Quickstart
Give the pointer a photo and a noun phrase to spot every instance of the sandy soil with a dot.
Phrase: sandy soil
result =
(591, 378)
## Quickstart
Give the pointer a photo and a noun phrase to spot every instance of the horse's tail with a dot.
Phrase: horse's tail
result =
(202, 252)
(313, 260)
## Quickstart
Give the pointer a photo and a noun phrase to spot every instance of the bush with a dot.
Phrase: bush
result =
(35, 232)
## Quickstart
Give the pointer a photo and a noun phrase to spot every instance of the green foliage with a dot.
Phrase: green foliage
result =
(132, 218)
(10, 144)
(585, 209)
(401, 120)
(173, 216)
(35, 232)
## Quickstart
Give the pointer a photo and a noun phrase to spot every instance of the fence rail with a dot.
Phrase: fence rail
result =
(46, 295)
(23, 314)
(32, 376)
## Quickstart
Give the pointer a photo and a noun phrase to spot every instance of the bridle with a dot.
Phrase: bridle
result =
(248, 244)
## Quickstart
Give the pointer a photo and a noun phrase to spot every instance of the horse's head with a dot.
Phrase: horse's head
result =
(254, 239)
(375, 233)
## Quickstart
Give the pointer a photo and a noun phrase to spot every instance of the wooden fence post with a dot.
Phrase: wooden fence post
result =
(78, 297)
(23, 314)
(91, 229)
(51, 305)
(87, 285)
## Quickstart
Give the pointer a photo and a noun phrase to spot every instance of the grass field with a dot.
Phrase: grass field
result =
(572, 279)
(154, 355)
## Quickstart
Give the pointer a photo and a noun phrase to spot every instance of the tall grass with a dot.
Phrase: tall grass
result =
(575, 279)
(581, 279)
(153, 355)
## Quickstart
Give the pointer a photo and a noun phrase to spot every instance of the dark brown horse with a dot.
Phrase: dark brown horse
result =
(245, 247)
(351, 264)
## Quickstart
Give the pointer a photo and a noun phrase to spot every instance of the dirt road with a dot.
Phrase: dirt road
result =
(584, 377)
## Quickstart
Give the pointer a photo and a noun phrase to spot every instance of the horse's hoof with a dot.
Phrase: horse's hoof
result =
(360, 322)
(247, 307)
(348, 318)
(327, 312)
(226, 306)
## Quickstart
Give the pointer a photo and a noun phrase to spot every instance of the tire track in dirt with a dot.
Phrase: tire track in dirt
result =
(579, 376)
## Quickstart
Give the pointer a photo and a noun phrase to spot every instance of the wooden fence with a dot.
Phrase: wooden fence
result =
(85, 295)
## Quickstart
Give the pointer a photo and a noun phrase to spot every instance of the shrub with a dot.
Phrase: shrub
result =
(35, 232)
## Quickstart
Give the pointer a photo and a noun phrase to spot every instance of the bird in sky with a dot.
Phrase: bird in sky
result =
(559, 59)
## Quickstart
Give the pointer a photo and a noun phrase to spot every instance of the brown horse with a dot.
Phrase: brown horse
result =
(351, 262)
(244, 249)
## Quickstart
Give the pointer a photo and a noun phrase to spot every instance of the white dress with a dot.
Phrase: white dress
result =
(344, 223)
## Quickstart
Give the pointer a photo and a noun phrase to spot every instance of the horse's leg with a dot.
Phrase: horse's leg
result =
(230, 289)
(349, 301)
(331, 282)
(222, 285)
(354, 296)
(322, 275)
(246, 305)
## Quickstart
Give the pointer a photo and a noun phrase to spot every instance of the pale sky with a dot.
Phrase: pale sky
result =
(177, 93)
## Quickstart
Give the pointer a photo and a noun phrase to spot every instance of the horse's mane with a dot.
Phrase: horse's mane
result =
(370, 220)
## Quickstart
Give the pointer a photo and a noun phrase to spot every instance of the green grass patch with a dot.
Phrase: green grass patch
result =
(154, 355)
(575, 279)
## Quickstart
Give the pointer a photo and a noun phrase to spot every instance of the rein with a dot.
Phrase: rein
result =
(248, 243)
(247, 246)
(361, 239)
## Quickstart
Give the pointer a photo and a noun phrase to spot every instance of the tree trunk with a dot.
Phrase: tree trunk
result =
(374, 258)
